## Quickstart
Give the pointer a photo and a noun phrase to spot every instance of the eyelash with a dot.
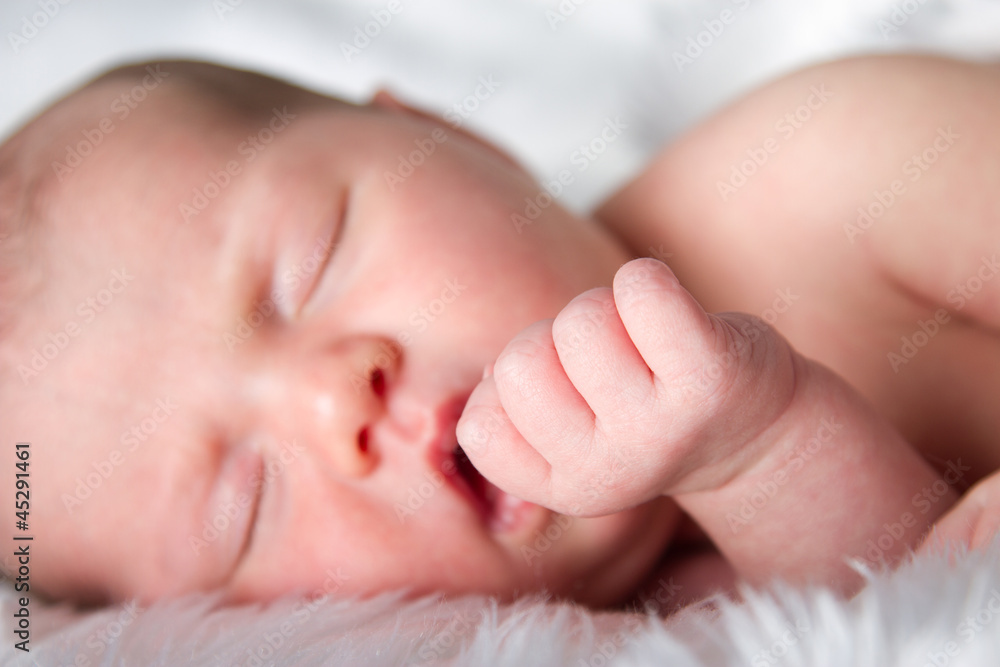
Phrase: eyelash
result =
(257, 500)
(243, 475)
(316, 275)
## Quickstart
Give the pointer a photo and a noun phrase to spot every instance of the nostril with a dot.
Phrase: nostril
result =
(378, 382)
(363, 441)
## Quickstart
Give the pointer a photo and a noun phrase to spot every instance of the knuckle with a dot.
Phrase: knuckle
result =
(481, 427)
(583, 318)
(516, 369)
(632, 280)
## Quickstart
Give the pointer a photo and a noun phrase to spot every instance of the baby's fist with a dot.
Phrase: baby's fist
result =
(610, 404)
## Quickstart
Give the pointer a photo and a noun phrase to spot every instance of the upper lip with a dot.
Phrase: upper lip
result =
(443, 450)
(446, 418)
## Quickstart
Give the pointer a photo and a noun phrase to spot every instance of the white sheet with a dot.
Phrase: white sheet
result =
(559, 80)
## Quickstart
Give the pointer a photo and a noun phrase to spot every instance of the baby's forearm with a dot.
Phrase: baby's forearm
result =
(836, 481)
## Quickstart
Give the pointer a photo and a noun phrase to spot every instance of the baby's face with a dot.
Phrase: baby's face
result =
(262, 332)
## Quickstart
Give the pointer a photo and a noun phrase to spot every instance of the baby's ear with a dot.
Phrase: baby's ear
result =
(383, 98)
(386, 100)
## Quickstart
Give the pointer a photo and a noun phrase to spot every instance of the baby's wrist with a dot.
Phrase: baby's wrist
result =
(829, 462)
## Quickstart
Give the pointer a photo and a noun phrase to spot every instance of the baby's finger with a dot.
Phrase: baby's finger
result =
(670, 330)
(541, 401)
(602, 362)
(497, 449)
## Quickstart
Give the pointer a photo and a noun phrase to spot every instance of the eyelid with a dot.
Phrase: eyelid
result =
(296, 284)
(234, 504)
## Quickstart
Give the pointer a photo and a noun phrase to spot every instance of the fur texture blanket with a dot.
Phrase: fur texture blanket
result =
(933, 612)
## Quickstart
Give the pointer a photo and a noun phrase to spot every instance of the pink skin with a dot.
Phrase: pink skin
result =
(628, 395)
(347, 447)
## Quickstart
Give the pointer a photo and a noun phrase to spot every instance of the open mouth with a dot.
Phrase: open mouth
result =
(464, 476)
(499, 510)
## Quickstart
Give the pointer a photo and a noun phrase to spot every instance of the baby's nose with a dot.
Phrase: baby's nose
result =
(330, 399)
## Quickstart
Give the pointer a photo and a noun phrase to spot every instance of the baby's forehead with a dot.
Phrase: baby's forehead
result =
(139, 131)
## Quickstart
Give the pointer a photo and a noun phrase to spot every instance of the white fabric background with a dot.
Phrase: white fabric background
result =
(559, 82)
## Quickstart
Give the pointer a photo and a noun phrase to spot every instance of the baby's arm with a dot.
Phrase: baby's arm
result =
(636, 392)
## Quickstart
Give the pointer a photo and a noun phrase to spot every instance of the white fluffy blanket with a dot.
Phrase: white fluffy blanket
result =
(927, 613)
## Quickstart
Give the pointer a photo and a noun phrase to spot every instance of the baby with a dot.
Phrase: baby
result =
(262, 341)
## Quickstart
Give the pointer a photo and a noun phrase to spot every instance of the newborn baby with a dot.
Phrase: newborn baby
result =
(264, 341)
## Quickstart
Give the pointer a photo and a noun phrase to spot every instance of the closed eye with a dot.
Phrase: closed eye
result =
(233, 512)
(315, 264)
(252, 524)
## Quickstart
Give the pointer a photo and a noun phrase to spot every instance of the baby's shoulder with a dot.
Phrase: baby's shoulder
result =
(853, 206)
